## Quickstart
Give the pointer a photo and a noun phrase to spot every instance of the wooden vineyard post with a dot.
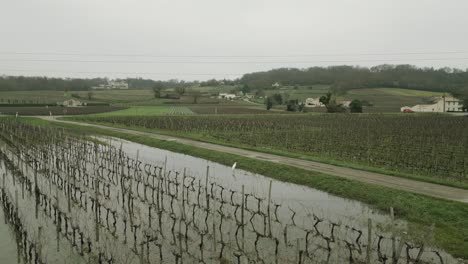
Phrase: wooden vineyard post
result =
(16, 200)
(183, 194)
(168, 182)
(68, 191)
(298, 256)
(59, 220)
(206, 180)
(181, 251)
(49, 171)
(137, 157)
(214, 236)
(369, 241)
(18, 241)
(13, 177)
(269, 209)
(22, 190)
(149, 215)
(96, 205)
(3, 188)
(165, 166)
(39, 241)
(142, 253)
(36, 189)
(242, 216)
(206, 188)
(122, 179)
(129, 201)
(18, 248)
(392, 223)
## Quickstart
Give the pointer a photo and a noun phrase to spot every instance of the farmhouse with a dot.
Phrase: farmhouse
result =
(275, 85)
(345, 103)
(120, 85)
(227, 96)
(313, 102)
(71, 103)
(443, 104)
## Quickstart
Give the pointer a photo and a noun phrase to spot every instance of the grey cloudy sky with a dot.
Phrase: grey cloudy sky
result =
(201, 39)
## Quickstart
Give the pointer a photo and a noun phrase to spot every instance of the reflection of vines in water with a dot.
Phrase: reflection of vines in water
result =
(170, 216)
(26, 247)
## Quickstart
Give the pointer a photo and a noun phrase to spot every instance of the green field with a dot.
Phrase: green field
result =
(408, 92)
(119, 96)
(138, 111)
(382, 99)
(41, 97)
(301, 92)
(108, 96)
(389, 99)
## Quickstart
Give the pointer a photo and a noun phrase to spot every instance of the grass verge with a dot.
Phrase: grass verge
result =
(450, 218)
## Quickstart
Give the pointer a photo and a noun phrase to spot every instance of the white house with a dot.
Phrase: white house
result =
(443, 104)
(227, 96)
(275, 85)
(345, 103)
(313, 102)
(121, 85)
(71, 103)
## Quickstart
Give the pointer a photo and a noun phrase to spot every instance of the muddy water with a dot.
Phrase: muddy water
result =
(289, 195)
(7, 243)
(16, 193)
(306, 203)
(304, 221)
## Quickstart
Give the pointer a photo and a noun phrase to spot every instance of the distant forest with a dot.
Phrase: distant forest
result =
(21, 83)
(341, 79)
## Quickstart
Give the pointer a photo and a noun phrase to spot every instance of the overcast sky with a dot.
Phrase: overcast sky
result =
(201, 39)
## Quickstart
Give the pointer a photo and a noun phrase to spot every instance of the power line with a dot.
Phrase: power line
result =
(232, 56)
(231, 62)
(128, 73)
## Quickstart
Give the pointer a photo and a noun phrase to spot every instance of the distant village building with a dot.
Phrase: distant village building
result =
(71, 103)
(119, 85)
(275, 85)
(345, 103)
(227, 96)
(443, 104)
(313, 102)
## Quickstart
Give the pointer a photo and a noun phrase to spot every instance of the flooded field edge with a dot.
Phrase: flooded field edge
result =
(74, 200)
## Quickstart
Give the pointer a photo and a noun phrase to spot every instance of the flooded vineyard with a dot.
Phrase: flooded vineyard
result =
(67, 199)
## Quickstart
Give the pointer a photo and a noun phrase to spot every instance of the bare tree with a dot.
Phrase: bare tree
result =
(180, 90)
(196, 95)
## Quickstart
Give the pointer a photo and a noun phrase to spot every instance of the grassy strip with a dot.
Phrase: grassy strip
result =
(205, 138)
(450, 218)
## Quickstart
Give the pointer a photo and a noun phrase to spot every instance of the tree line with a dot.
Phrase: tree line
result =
(343, 78)
(23, 83)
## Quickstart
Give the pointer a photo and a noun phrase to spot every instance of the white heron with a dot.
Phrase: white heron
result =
(234, 170)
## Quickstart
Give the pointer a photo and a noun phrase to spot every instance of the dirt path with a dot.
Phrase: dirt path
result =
(428, 189)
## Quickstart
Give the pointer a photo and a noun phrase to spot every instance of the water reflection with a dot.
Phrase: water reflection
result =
(77, 202)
